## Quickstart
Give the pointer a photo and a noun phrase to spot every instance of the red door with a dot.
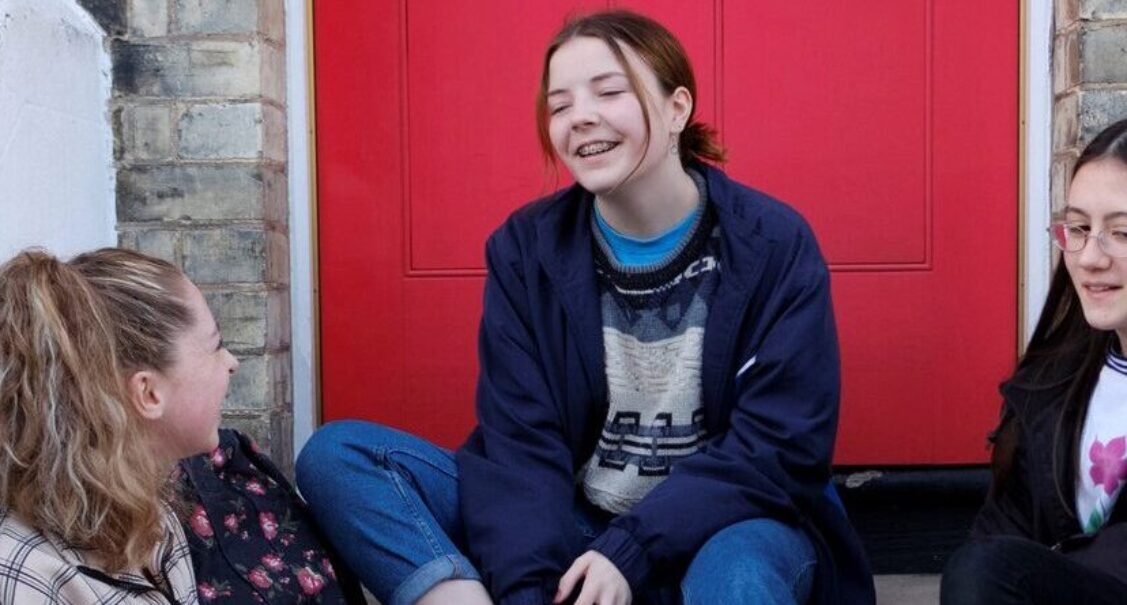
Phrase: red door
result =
(891, 125)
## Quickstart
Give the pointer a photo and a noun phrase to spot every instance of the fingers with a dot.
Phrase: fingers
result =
(572, 576)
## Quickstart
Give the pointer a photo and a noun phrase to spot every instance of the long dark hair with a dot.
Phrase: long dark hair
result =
(1065, 351)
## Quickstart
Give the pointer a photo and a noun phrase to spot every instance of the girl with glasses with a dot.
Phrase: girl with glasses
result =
(658, 388)
(1054, 526)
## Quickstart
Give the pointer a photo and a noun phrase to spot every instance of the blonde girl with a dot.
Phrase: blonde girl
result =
(111, 369)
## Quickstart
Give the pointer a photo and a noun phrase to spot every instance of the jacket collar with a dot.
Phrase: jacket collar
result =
(564, 238)
(564, 248)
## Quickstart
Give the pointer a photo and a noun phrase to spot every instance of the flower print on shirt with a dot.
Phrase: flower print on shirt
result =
(1109, 468)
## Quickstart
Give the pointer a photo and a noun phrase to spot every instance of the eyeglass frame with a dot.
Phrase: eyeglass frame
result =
(1101, 240)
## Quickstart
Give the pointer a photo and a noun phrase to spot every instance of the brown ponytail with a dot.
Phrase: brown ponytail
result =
(72, 460)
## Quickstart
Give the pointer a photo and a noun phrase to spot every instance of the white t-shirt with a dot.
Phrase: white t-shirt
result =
(1103, 446)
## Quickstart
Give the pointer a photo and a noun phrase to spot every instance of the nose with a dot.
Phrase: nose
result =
(584, 112)
(233, 364)
(1092, 255)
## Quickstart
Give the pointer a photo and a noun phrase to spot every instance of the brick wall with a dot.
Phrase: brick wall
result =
(1089, 79)
(198, 113)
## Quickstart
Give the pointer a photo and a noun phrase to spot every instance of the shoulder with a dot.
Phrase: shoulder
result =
(174, 557)
(745, 207)
(33, 567)
(550, 211)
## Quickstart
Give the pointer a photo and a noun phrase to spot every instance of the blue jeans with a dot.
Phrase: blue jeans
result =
(388, 501)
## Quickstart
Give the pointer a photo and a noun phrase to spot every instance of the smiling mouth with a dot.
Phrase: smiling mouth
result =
(1098, 289)
(592, 149)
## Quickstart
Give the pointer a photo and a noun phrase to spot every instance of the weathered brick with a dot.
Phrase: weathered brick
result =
(1098, 109)
(208, 68)
(250, 386)
(110, 14)
(1103, 9)
(160, 243)
(233, 131)
(201, 192)
(272, 431)
(1103, 54)
(1060, 178)
(1066, 61)
(1067, 12)
(1065, 125)
(252, 322)
(236, 255)
(272, 19)
(144, 132)
(261, 382)
(148, 18)
(273, 73)
(217, 16)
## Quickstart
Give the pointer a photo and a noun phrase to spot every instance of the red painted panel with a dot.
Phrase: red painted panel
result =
(472, 153)
(892, 125)
(829, 109)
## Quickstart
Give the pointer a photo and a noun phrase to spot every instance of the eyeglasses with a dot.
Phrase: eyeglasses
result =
(1072, 237)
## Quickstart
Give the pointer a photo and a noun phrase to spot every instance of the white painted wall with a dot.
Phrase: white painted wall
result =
(56, 146)
(302, 225)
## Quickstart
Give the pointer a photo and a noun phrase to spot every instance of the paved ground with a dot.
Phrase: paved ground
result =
(907, 590)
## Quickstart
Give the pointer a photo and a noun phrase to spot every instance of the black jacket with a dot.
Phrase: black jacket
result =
(1036, 497)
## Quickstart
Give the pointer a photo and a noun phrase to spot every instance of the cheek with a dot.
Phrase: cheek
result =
(557, 132)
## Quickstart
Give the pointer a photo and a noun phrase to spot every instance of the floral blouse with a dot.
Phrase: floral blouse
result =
(252, 539)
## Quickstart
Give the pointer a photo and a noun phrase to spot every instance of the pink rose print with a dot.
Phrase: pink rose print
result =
(218, 457)
(260, 578)
(311, 582)
(254, 487)
(231, 522)
(1108, 466)
(273, 562)
(199, 523)
(207, 592)
(327, 567)
(269, 525)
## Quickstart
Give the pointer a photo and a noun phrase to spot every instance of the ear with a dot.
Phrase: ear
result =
(146, 394)
(681, 103)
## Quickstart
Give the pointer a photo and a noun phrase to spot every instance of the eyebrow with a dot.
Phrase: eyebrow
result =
(599, 78)
(1108, 216)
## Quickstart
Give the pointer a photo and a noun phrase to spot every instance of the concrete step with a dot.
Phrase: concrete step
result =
(907, 589)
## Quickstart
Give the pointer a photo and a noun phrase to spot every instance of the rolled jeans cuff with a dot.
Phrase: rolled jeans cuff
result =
(446, 567)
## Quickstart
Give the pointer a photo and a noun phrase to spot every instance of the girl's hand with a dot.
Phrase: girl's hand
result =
(603, 584)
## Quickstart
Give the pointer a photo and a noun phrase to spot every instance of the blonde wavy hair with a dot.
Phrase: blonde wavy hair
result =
(74, 456)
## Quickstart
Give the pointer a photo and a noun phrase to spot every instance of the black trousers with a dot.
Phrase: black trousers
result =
(1005, 570)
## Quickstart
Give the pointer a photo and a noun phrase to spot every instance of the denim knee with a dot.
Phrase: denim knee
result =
(755, 561)
(328, 448)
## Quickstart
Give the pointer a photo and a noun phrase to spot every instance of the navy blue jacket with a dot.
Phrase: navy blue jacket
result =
(771, 384)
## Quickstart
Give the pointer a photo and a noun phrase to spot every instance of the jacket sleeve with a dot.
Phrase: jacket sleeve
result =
(515, 472)
(1009, 502)
(775, 455)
